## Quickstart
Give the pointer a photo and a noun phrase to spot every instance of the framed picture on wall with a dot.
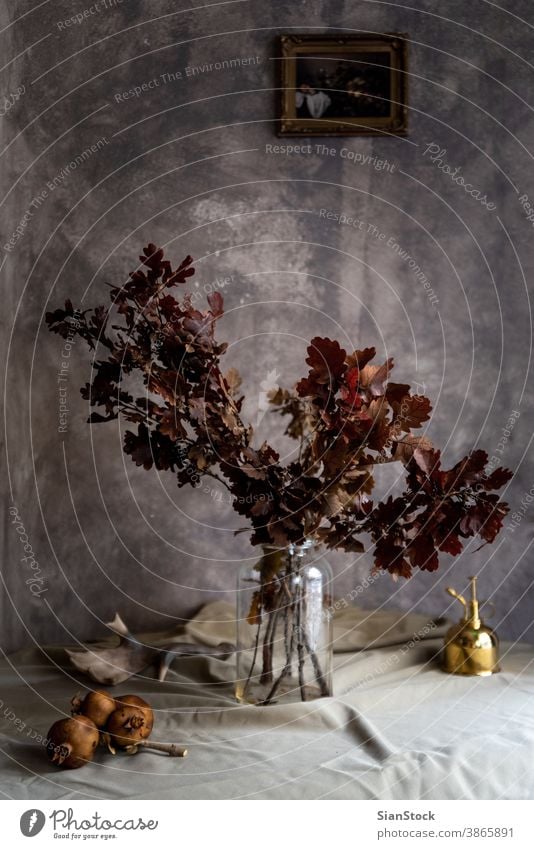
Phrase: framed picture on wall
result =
(344, 85)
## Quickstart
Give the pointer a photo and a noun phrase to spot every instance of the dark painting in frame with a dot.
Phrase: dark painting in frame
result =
(344, 85)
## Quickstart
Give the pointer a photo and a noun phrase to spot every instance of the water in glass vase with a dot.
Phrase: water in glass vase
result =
(284, 631)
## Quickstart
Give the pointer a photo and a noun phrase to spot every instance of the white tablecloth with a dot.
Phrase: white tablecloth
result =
(397, 727)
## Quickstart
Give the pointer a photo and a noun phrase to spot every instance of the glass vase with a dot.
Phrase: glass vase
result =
(284, 630)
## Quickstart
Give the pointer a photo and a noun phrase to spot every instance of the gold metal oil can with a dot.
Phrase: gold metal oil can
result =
(471, 647)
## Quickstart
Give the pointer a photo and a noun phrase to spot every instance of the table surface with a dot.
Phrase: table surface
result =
(397, 727)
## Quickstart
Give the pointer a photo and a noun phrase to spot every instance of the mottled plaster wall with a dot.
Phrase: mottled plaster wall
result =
(185, 164)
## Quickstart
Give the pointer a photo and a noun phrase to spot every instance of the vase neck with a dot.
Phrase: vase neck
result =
(301, 549)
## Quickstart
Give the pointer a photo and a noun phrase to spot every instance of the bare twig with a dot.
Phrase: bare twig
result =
(254, 656)
(300, 646)
(288, 643)
(171, 749)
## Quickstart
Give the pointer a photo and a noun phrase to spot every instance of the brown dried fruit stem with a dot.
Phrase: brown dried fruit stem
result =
(170, 749)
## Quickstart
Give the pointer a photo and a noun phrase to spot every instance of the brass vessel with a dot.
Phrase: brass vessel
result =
(471, 647)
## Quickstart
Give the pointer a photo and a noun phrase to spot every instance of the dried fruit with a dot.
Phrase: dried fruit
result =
(98, 705)
(131, 722)
(134, 701)
(72, 742)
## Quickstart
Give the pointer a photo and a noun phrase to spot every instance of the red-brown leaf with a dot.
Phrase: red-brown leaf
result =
(181, 274)
(427, 460)
(359, 359)
(216, 302)
(326, 358)
(412, 412)
(404, 448)
(497, 478)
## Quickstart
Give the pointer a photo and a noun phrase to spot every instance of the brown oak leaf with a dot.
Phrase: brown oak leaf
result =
(412, 412)
(403, 449)
(359, 359)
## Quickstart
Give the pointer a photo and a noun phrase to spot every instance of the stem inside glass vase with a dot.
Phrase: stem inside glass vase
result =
(284, 633)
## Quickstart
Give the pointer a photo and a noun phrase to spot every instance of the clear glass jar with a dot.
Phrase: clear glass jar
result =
(284, 630)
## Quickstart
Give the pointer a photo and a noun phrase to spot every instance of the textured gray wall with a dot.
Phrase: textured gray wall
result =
(185, 164)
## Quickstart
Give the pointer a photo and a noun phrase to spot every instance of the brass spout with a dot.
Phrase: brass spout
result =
(474, 614)
(459, 598)
(471, 647)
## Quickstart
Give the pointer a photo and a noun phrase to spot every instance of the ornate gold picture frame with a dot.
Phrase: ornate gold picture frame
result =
(344, 85)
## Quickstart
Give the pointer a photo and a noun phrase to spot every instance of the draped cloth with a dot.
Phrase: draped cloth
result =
(397, 727)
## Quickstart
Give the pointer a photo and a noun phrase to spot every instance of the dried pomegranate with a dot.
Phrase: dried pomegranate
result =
(72, 742)
(98, 705)
(131, 722)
